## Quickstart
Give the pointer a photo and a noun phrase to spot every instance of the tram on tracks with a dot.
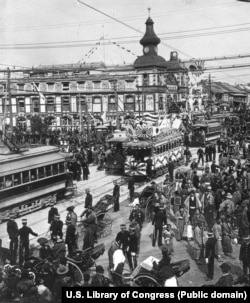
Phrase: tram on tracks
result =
(31, 180)
(205, 133)
(164, 145)
(116, 159)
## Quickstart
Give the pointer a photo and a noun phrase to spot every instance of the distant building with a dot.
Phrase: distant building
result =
(67, 92)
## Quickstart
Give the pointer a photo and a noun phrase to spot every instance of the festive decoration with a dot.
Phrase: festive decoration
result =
(130, 132)
(144, 132)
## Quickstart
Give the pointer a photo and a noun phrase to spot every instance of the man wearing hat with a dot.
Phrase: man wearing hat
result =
(12, 230)
(70, 238)
(24, 243)
(159, 219)
(243, 222)
(122, 238)
(59, 248)
(88, 199)
(244, 256)
(52, 212)
(116, 195)
(227, 206)
(227, 279)
(99, 280)
(210, 254)
(165, 260)
(45, 251)
(71, 215)
(132, 247)
(192, 203)
(56, 227)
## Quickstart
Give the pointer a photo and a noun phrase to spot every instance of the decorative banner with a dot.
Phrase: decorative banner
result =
(130, 132)
(144, 132)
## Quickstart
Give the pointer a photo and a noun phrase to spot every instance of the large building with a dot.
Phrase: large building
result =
(70, 93)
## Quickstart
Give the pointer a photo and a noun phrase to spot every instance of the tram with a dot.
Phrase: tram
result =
(205, 133)
(30, 180)
(116, 159)
(166, 144)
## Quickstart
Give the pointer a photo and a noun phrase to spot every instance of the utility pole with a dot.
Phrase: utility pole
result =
(87, 117)
(80, 112)
(9, 99)
(117, 106)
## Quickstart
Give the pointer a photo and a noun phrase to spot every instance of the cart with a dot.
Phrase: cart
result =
(145, 276)
(104, 222)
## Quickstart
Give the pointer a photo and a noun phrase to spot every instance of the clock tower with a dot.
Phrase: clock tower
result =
(150, 42)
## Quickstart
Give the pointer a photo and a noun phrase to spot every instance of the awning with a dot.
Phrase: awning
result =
(117, 139)
(138, 144)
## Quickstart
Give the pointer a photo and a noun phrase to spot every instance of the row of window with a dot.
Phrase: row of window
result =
(68, 86)
(168, 146)
(71, 104)
(31, 175)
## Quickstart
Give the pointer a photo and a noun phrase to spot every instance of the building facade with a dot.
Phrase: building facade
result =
(67, 95)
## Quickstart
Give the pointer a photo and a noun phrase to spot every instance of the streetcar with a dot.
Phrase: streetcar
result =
(31, 180)
(205, 133)
(116, 159)
(165, 145)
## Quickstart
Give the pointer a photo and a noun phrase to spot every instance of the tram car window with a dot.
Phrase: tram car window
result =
(17, 179)
(48, 170)
(33, 175)
(8, 181)
(55, 169)
(26, 177)
(61, 168)
(41, 173)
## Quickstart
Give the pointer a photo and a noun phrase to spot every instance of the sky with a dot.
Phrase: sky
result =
(41, 32)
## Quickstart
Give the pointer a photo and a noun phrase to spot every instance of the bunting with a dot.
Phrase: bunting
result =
(144, 132)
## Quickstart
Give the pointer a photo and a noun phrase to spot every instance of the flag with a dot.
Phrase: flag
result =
(42, 97)
(144, 132)
(104, 116)
(150, 118)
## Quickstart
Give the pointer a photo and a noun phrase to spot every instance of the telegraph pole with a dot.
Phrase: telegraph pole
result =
(117, 106)
(9, 99)
(80, 112)
(87, 114)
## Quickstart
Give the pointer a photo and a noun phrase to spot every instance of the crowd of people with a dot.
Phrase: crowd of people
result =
(209, 209)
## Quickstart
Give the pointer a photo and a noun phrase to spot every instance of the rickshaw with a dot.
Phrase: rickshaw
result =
(145, 276)
(104, 221)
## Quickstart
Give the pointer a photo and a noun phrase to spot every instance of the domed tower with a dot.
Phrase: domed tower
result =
(150, 41)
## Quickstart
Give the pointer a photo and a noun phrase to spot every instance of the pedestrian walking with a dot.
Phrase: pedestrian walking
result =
(122, 238)
(116, 196)
(56, 227)
(131, 188)
(70, 238)
(132, 248)
(88, 199)
(159, 219)
(52, 212)
(200, 154)
(12, 230)
(85, 169)
(210, 255)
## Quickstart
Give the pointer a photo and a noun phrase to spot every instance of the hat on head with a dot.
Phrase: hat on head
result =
(123, 225)
(87, 189)
(153, 183)
(24, 221)
(59, 240)
(131, 228)
(42, 241)
(210, 233)
(57, 216)
(68, 220)
(225, 267)
(99, 269)
(62, 270)
(165, 249)
(245, 203)
(229, 196)
(70, 208)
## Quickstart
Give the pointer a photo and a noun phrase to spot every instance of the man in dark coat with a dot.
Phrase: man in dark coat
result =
(70, 238)
(213, 149)
(116, 195)
(131, 188)
(52, 212)
(244, 256)
(200, 154)
(149, 166)
(227, 279)
(88, 199)
(210, 254)
(90, 223)
(85, 170)
(171, 169)
(132, 248)
(158, 221)
(24, 233)
(56, 227)
(122, 238)
(12, 230)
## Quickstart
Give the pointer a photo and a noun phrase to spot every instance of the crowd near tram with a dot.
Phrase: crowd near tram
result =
(202, 202)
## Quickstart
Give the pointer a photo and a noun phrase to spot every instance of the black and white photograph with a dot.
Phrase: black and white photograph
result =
(124, 146)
